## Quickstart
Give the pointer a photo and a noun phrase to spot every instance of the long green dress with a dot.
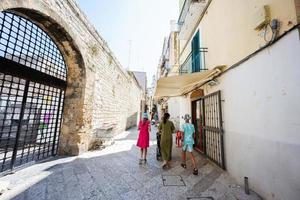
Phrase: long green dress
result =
(166, 131)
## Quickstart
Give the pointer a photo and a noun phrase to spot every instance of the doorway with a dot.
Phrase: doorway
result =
(197, 120)
(208, 123)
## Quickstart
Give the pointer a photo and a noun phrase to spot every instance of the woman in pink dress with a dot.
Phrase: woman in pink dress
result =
(143, 140)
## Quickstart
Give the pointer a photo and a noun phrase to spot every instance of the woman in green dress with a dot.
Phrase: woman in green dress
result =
(166, 128)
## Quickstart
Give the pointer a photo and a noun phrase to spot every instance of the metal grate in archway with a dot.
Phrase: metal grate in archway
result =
(32, 88)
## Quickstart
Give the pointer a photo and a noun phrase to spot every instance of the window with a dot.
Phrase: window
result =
(196, 53)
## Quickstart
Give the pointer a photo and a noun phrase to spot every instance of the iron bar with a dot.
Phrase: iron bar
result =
(246, 183)
(56, 125)
(186, 66)
(19, 125)
(222, 130)
(16, 69)
(204, 131)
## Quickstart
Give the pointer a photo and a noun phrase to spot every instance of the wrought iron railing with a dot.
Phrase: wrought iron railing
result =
(195, 62)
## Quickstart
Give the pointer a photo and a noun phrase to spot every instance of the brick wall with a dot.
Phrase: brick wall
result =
(102, 99)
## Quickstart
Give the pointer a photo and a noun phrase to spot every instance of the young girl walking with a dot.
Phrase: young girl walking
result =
(143, 139)
(188, 142)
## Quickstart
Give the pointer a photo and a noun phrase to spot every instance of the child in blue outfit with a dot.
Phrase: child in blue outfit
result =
(188, 131)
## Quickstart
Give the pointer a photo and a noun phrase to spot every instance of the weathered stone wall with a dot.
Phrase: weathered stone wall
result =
(102, 99)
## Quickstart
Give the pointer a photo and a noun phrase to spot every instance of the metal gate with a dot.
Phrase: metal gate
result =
(32, 88)
(213, 129)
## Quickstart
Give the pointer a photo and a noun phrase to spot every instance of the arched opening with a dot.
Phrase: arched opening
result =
(35, 85)
(72, 140)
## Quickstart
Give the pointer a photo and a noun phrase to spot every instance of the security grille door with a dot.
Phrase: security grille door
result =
(32, 88)
(213, 129)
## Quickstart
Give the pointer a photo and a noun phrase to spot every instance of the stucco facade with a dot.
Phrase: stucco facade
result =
(261, 123)
(102, 98)
(228, 29)
(259, 93)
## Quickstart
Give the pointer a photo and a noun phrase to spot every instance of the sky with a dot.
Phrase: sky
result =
(133, 29)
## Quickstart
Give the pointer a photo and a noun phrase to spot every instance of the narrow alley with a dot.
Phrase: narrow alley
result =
(79, 78)
(114, 173)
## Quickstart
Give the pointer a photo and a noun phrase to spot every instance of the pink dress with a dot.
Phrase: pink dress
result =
(143, 140)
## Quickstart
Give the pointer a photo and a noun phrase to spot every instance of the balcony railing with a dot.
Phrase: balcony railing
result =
(195, 62)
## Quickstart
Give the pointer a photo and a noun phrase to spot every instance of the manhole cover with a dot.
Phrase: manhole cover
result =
(200, 198)
(170, 180)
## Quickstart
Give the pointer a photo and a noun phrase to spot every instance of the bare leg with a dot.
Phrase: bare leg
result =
(193, 160)
(142, 152)
(141, 159)
(145, 153)
(168, 163)
(164, 164)
(183, 154)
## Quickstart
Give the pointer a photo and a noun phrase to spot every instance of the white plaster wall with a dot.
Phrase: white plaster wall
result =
(261, 115)
(177, 108)
(174, 110)
(159, 107)
(185, 108)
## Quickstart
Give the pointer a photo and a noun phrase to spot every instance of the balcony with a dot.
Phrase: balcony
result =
(195, 62)
(191, 12)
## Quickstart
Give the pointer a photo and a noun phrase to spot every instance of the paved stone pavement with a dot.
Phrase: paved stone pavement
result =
(113, 173)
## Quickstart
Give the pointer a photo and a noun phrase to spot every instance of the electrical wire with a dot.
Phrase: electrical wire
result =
(273, 33)
(297, 26)
(276, 39)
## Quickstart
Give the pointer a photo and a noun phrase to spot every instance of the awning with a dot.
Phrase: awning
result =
(173, 86)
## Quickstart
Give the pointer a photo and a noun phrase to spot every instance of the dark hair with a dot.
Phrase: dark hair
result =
(166, 117)
(144, 120)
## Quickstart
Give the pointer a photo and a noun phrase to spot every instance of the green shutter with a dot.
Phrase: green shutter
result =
(196, 54)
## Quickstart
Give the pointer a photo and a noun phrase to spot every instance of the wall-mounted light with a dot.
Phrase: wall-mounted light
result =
(213, 82)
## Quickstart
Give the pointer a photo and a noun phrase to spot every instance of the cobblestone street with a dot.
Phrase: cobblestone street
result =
(114, 173)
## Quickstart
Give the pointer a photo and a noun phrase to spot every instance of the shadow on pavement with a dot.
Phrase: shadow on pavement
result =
(114, 173)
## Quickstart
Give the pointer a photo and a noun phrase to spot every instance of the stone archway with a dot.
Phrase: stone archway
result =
(94, 74)
(72, 140)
